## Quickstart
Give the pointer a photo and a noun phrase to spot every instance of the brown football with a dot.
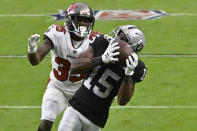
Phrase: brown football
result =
(125, 50)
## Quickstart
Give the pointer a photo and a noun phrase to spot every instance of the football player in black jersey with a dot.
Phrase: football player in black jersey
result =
(105, 78)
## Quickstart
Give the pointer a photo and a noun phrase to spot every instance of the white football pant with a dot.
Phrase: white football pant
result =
(53, 103)
(72, 120)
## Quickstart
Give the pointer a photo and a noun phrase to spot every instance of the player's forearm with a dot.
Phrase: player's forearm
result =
(33, 59)
(85, 64)
(126, 90)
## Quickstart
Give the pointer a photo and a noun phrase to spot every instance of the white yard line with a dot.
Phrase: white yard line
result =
(20, 107)
(15, 56)
(112, 107)
(182, 14)
(155, 107)
(170, 56)
(144, 56)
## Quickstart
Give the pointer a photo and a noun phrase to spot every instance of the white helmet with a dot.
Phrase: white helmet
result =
(134, 35)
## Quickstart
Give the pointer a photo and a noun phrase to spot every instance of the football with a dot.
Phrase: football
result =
(125, 50)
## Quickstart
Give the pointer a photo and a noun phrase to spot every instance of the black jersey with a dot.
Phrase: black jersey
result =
(101, 84)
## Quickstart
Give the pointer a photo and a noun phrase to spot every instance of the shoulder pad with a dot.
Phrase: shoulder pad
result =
(56, 28)
(93, 36)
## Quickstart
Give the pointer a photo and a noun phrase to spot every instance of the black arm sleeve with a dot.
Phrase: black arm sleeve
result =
(139, 72)
(99, 45)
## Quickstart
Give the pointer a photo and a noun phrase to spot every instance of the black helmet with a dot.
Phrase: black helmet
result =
(75, 11)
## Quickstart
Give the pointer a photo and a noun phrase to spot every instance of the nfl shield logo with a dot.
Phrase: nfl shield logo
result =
(128, 14)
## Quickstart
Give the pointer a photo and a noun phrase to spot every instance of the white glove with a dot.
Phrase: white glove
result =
(131, 63)
(33, 43)
(110, 52)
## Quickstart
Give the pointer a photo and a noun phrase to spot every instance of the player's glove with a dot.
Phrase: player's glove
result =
(131, 63)
(33, 43)
(111, 52)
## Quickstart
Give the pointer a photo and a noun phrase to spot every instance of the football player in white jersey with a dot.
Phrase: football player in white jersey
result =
(65, 43)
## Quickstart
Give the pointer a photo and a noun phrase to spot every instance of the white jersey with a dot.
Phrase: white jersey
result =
(62, 56)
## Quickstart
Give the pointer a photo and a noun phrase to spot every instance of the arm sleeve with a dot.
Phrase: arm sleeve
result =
(139, 72)
(99, 45)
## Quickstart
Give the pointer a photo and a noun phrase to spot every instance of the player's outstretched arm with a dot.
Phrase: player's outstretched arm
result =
(126, 89)
(85, 61)
(36, 54)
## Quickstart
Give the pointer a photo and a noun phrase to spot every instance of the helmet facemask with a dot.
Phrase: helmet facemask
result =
(78, 29)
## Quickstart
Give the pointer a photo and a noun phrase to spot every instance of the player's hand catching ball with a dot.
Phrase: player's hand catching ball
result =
(33, 43)
(131, 63)
(111, 52)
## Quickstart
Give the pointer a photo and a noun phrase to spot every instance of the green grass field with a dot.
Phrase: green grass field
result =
(169, 81)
